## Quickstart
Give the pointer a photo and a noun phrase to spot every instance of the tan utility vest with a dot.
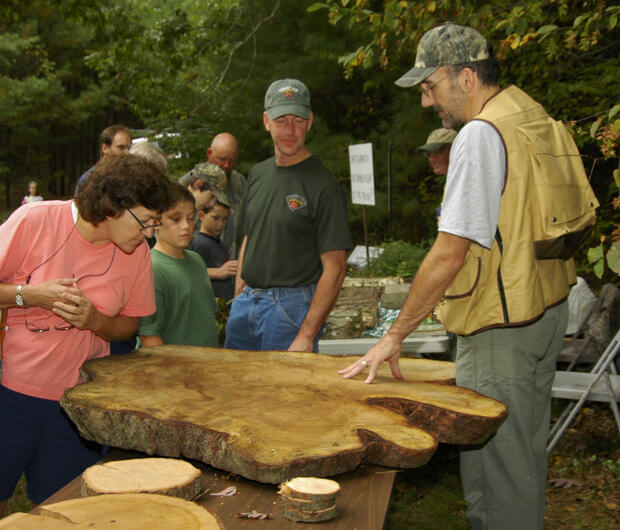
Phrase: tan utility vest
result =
(547, 209)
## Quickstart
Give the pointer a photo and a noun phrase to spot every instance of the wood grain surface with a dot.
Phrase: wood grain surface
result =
(270, 416)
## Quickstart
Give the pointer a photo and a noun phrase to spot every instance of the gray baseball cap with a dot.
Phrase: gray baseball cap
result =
(445, 45)
(287, 96)
(437, 139)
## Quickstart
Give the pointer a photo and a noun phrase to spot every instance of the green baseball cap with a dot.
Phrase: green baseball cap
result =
(445, 45)
(437, 139)
(287, 96)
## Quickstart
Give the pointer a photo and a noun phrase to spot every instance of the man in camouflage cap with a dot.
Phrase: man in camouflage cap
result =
(437, 149)
(505, 303)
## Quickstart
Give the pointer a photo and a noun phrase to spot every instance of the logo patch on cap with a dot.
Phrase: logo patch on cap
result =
(295, 202)
(288, 91)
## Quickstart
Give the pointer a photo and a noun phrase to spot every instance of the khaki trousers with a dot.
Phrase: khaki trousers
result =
(504, 480)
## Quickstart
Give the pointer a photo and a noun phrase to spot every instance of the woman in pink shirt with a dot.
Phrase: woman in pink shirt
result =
(74, 275)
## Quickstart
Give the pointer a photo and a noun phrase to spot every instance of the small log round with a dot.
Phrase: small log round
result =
(165, 476)
(310, 488)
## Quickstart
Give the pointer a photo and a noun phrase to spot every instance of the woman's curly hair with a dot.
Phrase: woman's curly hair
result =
(119, 182)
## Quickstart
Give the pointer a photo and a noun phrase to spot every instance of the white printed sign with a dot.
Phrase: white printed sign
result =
(362, 174)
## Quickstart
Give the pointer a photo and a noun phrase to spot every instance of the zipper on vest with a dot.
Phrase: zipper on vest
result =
(500, 283)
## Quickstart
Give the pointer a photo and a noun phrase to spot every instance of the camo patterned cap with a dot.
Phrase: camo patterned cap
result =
(214, 179)
(445, 45)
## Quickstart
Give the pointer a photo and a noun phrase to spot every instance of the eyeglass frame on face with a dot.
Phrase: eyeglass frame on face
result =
(143, 227)
(428, 91)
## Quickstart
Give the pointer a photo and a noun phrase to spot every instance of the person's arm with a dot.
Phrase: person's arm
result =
(436, 274)
(69, 302)
(327, 288)
(38, 295)
(227, 270)
(150, 340)
(239, 281)
(78, 310)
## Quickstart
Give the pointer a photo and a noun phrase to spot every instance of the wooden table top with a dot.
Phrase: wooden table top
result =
(362, 504)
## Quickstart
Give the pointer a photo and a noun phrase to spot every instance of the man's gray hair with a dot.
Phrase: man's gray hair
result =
(152, 152)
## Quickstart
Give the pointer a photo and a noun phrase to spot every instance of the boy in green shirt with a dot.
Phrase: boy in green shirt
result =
(185, 301)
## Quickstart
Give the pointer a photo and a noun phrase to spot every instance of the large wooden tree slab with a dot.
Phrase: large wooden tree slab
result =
(270, 416)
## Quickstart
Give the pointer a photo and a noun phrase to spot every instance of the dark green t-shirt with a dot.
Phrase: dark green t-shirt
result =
(291, 216)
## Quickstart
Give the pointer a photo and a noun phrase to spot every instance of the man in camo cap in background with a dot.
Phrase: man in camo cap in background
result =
(501, 261)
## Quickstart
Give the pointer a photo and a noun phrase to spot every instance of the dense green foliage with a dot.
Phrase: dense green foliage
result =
(194, 67)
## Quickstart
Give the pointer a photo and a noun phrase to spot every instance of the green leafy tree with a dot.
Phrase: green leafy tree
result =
(49, 98)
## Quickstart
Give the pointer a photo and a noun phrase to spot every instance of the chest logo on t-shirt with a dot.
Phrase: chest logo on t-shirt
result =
(295, 202)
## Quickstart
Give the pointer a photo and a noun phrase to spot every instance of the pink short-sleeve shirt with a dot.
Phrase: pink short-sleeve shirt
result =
(40, 242)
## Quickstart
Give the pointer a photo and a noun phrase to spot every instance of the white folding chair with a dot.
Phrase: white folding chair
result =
(601, 384)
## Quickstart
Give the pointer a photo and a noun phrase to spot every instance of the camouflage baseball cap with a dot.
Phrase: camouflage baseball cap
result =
(213, 177)
(445, 45)
(437, 139)
(287, 96)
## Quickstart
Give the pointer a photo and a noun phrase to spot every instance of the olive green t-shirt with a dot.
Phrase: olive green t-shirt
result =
(186, 304)
(291, 215)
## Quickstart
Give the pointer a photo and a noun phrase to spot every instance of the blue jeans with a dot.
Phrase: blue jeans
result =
(268, 319)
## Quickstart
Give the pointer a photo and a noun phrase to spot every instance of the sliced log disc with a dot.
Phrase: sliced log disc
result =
(309, 499)
(129, 512)
(310, 488)
(270, 416)
(166, 476)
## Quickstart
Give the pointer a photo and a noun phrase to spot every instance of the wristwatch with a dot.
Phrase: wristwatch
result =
(18, 296)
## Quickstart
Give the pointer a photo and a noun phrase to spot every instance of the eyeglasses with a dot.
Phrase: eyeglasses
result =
(37, 328)
(142, 225)
(427, 91)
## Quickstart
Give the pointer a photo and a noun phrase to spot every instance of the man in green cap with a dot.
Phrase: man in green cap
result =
(515, 190)
(437, 149)
(292, 259)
